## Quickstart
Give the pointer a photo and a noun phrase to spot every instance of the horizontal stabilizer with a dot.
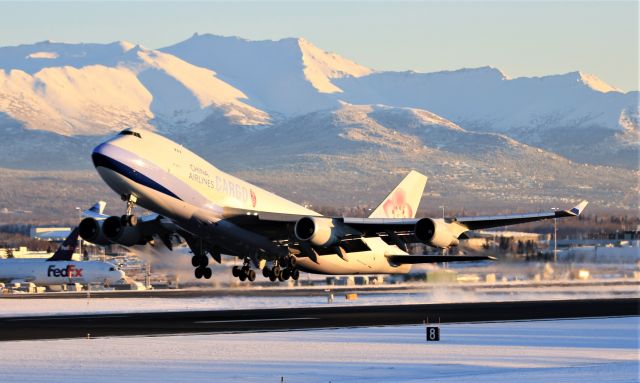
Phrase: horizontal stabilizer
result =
(413, 259)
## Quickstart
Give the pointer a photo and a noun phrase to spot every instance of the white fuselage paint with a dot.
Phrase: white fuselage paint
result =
(170, 180)
(46, 273)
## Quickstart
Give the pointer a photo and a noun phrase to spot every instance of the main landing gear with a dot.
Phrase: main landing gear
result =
(274, 273)
(200, 262)
(282, 274)
(243, 273)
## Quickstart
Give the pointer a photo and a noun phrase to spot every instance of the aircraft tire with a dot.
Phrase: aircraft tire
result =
(286, 274)
(235, 271)
(204, 260)
(207, 273)
(280, 277)
(272, 276)
(251, 275)
(295, 274)
(195, 262)
(198, 272)
(265, 272)
(243, 277)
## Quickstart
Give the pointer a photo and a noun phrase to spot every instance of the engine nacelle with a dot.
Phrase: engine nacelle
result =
(123, 231)
(435, 233)
(90, 230)
(320, 231)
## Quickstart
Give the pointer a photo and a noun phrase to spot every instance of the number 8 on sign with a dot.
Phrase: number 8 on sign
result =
(433, 334)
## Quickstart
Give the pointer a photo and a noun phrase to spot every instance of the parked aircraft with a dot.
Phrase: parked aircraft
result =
(218, 213)
(59, 269)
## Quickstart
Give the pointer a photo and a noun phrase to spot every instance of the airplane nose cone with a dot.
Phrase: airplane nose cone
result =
(99, 157)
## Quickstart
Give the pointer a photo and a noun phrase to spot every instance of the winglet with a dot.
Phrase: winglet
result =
(579, 208)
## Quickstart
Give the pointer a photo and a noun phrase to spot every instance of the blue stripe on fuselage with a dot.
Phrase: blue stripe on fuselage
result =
(100, 159)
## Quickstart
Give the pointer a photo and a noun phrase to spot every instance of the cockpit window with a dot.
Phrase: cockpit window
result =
(112, 269)
(129, 133)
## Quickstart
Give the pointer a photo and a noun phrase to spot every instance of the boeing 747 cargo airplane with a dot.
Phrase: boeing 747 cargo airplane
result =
(217, 213)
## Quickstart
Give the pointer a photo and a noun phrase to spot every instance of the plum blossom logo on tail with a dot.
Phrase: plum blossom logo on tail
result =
(253, 198)
(396, 205)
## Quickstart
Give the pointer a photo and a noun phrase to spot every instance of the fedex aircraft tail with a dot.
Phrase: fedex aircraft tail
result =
(68, 247)
(403, 201)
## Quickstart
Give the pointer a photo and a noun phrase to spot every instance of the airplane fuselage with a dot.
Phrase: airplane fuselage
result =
(45, 273)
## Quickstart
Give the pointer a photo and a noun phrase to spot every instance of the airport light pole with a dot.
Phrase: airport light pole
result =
(79, 239)
(555, 237)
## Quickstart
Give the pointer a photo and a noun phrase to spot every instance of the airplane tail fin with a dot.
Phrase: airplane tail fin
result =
(98, 207)
(403, 201)
(68, 247)
(96, 211)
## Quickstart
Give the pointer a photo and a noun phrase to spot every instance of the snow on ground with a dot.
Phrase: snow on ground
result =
(443, 294)
(586, 350)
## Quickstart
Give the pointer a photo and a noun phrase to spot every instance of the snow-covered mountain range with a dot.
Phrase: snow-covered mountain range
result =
(287, 104)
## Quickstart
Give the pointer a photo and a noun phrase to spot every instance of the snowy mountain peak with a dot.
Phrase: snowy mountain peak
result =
(277, 59)
(126, 45)
(594, 82)
(487, 72)
(32, 58)
(321, 66)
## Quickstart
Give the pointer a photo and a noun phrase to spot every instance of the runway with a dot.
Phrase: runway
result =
(577, 287)
(261, 320)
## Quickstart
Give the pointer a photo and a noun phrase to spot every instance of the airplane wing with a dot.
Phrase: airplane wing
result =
(475, 223)
(459, 225)
(275, 226)
(278, 226)
(277, 229)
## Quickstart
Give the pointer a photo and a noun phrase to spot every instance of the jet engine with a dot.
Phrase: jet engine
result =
(435, 233)
(323, 232)
(90, 230)
(123, 231)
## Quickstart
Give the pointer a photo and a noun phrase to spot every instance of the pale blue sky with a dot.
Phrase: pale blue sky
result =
(521, 38)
